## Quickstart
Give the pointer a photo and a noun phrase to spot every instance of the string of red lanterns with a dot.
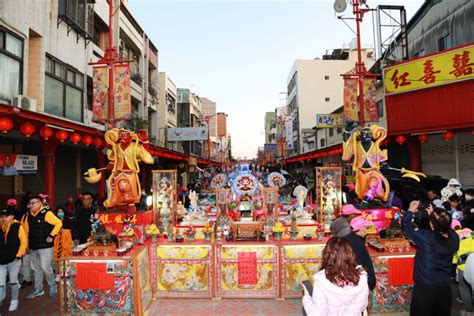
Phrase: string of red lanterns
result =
(46, 132)
(75, 138)
(27, 129)
(87, 140)
(6, 124)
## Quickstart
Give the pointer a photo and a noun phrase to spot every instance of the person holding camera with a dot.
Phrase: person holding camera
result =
(433, 261)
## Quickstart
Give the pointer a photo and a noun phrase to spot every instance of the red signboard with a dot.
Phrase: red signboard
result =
(400, 271)
(247, 267)
(93, 276)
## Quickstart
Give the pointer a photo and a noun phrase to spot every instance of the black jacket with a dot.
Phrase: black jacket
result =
(362, 257)
(434, 253)
(83, 223)
(9, 246)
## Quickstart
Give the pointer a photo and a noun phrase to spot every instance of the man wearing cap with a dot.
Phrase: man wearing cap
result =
(13, 244)
(341, 228)
(41, 226)
(12, 206)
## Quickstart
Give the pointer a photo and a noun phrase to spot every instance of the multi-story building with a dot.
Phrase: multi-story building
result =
(315, 87)
(45, 50)
(189, 114)
(270, 127)
(222, 138)
(167, 109)
(436, 119)
(209, 117)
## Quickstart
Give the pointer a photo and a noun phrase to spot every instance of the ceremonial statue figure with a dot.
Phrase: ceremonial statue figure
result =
(300, 192)
(364, 144)
(127, 150)
(193, 198)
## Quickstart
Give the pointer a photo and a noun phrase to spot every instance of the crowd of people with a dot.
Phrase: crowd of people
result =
(441, 228)
(35, 237)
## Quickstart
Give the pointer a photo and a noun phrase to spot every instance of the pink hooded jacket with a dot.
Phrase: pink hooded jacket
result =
(331, 300)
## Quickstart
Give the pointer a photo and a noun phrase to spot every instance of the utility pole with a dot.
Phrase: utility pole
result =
(110, 59)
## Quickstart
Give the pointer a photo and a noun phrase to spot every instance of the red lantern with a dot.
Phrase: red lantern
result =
(401, 139)
(423, 138)
(87, 140)
(62, 135)
(46, 132)
(472, 132)
(27, 129)
(448, 135)
(6, 124)
(97, 142)
(75, 138)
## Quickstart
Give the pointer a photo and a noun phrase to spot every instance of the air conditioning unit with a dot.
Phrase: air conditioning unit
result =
(24, 102)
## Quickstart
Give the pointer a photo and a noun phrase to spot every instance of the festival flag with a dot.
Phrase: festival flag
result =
(122, 101)
(370, 100)
(100, 83)
(351, 106)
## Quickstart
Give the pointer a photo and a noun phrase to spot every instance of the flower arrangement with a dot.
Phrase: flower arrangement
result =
(207, 228)
(152, 231)
(278, 228)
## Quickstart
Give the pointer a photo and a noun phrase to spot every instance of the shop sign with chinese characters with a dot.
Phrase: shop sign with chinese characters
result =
(434, 70)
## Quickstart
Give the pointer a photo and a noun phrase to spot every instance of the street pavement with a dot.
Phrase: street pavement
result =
(49, 306)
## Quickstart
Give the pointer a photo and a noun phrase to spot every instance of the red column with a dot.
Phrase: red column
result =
(414, 147)
(101, 163)
(49, 151)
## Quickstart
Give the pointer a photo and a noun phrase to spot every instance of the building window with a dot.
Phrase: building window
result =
(444, 42)
(326, 77)
(380, 108)
(331, 132)
(322, 142)
(327, 99)
(339, 130)
(171, 103)
(292, 83)
(11, 65)
(64, 87)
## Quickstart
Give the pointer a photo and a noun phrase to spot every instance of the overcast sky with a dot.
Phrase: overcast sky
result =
(238, 53)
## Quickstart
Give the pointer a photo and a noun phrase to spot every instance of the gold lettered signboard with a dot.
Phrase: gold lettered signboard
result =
(433, 70)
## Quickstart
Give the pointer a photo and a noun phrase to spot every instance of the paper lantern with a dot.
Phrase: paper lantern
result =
(97, 142)
(86, 140)
(423, 138)
(62, 135)
(27, 129)
(448, 135)
(75, 138)
(46, 132)
(6, 124)
(401, 139)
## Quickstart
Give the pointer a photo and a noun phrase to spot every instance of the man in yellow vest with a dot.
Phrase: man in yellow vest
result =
(466, 247)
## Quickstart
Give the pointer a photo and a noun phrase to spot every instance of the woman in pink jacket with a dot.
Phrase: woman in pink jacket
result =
(340, 288)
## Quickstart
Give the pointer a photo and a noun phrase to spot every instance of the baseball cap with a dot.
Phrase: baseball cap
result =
(11, 202)
(6, 212)
(349, 209)
(340, 227)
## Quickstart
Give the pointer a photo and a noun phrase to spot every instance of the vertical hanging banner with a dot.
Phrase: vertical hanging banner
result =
(100, 83)
(351, 106)
(370, 100)
(122, 97)
(289, 133)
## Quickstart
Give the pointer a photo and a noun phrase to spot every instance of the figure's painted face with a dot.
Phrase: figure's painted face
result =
(366, 135)
(125, 137)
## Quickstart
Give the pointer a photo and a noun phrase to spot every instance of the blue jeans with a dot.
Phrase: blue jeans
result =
(41, 260)
(12, 269)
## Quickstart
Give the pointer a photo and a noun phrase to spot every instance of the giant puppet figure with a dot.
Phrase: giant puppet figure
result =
(127, 150)
(364, 144)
